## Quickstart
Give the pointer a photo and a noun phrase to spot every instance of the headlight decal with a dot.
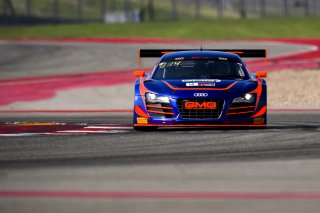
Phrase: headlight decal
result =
(155, 98)
(246, 98)
(258, 90)
(143, 91)
(158, 105)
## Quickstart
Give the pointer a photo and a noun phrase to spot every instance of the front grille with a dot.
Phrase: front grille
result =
(199, 113)
(238, 110)
(162, 110)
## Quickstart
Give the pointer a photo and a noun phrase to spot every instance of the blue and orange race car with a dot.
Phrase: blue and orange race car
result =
(195, 88)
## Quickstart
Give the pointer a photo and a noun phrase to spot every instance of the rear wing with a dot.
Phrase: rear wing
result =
(243, 53)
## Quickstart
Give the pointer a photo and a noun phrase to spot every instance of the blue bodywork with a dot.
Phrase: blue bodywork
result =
(224, 90)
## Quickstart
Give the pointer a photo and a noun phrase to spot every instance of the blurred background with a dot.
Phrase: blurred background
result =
(104, 36)
(99, 33)
(112, 11)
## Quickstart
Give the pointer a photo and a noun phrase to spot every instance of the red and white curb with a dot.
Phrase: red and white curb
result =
(52, 128)
(99, 129)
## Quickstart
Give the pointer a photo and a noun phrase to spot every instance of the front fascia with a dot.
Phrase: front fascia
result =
(238, 89)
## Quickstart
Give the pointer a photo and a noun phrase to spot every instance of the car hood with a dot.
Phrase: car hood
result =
(199, 83)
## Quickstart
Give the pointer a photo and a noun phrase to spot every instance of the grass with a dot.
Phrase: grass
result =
(204, 29)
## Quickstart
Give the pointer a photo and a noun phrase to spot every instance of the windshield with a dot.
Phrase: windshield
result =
(202, 68)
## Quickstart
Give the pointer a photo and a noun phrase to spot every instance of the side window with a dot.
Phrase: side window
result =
(240, 70)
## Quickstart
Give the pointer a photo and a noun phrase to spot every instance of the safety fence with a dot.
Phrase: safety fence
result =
(156, 10)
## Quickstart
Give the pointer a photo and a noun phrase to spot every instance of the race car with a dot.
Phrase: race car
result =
(200, 88)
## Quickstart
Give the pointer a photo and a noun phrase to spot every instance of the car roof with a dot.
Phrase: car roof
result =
(202, 53)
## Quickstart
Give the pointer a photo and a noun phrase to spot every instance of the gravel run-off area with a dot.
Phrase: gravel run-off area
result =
(294, 89)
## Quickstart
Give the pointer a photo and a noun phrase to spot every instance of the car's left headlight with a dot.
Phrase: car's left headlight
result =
(155, 98)
(246, 98)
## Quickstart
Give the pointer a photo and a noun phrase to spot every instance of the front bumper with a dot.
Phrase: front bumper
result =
(176, 120)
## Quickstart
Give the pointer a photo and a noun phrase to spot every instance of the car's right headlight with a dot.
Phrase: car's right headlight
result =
(246, 98)
(155, 98)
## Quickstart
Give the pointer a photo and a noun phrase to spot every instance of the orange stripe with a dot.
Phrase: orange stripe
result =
(240, 107)
(178, 88)
(159, 107)
(165, 52)
(143, 90)
(157, 112)
(140, 112)
(233, 113)
(266, 58)
(258, 90)
(139, 58)
(262, 111)
(235, 52)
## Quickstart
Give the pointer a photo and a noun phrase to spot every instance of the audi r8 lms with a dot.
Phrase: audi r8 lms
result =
(200, 88)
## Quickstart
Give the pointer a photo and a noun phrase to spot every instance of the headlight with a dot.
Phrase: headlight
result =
(154, 98)
(246, 98)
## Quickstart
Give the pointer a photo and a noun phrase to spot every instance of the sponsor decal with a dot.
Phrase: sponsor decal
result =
(169, 64)
(258, 120)
(192, 84)
(179, 59)
(202, 84)
(200, 94)
(142, 120)
(202, 80)
(197, 105)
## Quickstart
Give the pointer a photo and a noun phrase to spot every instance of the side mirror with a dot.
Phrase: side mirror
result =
(262, 74)
(139, 73)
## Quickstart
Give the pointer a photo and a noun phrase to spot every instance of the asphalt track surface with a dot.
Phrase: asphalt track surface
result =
(283, 128)
(176, 170)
